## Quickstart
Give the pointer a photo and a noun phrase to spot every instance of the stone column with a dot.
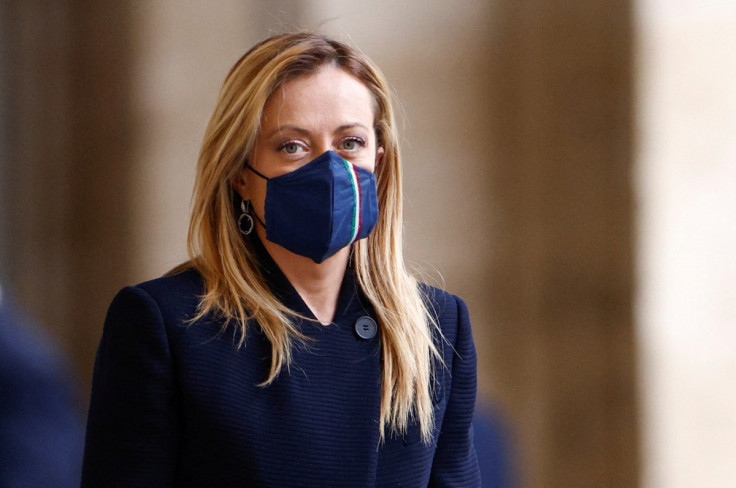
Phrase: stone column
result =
(67, 174)
(562, 339)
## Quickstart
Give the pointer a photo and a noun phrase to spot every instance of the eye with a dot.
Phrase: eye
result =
(291, 147)
(352, 144)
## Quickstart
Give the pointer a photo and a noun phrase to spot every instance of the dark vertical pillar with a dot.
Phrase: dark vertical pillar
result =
(4, 250)
(67, 79)
(562, 337)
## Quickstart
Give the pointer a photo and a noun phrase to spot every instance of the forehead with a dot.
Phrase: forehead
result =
(329, 93)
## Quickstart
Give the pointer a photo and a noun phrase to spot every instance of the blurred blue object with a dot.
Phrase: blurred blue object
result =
(41, 430)
(493, 447)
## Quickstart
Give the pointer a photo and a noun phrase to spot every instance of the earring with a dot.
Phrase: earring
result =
(245, 221)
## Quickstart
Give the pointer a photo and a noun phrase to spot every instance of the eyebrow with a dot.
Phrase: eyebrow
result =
(302, 130)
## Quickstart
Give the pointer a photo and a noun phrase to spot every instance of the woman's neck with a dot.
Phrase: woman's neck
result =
(317, 284)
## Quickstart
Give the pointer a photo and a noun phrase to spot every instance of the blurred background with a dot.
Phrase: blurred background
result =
(570, 171)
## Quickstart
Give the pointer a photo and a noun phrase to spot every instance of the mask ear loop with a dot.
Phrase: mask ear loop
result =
(245, 211)
(256, 172)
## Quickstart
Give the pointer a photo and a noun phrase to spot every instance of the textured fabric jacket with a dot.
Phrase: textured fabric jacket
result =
(177, 404)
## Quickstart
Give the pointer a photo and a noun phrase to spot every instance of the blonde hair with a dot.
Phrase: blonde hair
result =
(235, 289)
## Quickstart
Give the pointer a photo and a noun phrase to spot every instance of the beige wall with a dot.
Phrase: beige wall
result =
(687, 188)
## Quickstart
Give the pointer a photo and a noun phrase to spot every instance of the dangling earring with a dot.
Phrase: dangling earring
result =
(245, 221)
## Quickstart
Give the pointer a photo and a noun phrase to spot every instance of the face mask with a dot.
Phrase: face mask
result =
(320, 208)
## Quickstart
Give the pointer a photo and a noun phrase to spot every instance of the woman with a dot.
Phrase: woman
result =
(294, 349)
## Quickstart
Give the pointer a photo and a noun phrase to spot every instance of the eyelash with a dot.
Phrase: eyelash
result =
(289, 143)
(357, 140)
(300, 144)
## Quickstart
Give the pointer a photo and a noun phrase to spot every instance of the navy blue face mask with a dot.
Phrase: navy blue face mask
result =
(320, 208)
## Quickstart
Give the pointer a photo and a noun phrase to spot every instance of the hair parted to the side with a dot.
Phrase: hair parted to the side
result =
(234, 288)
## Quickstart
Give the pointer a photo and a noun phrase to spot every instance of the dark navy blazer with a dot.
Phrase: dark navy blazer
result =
(178, 404)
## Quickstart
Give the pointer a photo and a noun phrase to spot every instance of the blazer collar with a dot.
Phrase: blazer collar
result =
(350, 300)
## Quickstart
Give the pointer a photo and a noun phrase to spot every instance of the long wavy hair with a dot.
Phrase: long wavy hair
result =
(234, 287)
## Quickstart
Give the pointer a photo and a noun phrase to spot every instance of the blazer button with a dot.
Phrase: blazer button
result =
(366, 328)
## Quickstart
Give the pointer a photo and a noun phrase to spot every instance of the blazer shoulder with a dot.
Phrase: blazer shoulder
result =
(448, 310)
(183, 284)
(438, 296)
(176, 296)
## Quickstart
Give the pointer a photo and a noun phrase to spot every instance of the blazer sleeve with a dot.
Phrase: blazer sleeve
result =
(455, 463)
(131, 433)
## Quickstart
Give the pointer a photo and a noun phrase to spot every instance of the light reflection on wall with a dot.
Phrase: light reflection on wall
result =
(687, 228)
